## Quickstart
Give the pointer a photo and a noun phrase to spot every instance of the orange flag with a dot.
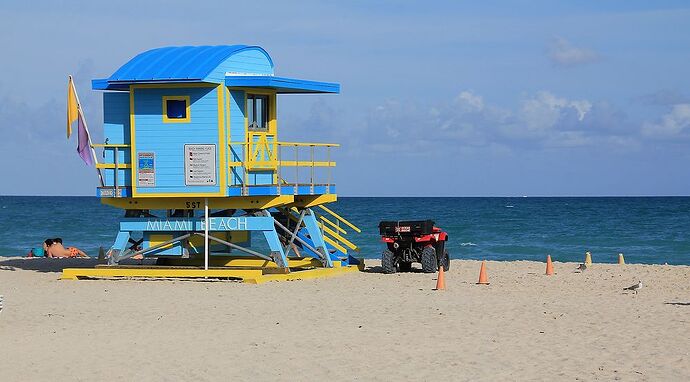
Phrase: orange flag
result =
(72, 106)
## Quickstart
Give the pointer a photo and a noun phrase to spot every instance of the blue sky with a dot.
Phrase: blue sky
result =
(438, 98)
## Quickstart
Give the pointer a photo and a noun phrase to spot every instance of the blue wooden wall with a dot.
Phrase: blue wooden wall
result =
(237, 134)
(167, 140)
(116, 130)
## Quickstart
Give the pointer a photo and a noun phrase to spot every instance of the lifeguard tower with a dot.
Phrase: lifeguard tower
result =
(192, 156)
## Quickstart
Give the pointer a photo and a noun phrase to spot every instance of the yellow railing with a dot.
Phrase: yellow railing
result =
(340, 218)
(115, 165)
(110, 146)
(336, 236)
(260, 152)
(267, 154)
(263, 152)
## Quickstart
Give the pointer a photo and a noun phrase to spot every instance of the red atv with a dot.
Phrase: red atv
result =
(410, 242)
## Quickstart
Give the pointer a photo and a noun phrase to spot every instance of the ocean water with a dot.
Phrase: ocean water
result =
(651, 230)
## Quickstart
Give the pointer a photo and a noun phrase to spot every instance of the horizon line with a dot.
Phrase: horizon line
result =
(422, 196)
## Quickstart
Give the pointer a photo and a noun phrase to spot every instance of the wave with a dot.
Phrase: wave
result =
(468, 244)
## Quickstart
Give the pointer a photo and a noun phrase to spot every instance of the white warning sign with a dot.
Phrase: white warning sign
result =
(200, 165)
(146, 169)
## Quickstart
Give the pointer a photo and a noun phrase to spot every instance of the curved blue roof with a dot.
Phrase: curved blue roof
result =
(233, 65)
(181, 63)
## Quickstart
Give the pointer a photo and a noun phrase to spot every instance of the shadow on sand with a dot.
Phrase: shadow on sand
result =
(379, 269)
(46, 265)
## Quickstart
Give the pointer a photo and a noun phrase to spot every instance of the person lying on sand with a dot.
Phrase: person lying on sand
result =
(54, 248)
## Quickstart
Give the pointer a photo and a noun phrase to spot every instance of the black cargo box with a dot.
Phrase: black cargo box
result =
(406, 228)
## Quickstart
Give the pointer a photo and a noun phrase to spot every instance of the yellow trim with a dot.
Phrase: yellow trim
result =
(292, 144)
(188, 109)
(251, 276)
(334, 235)
(197, 202)
(178, 194)
(314, 200)
(271, 164)
(338, 237)
(156, 239)
(334, 244)
(332, 224)
(132, 140)
(102, 272)
(272, 112)
(262, 146)
(245, 262)
(245, 151)
(342, 219)
(222, 166)
(110, 145)
(228, 127)
(304, 144)
(292, 163)
(112, 165)
(257, 150)
(311, 273)
(273, 125)
(222, 187)
(292, 263)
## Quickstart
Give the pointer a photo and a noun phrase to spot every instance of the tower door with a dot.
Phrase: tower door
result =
(262, 138)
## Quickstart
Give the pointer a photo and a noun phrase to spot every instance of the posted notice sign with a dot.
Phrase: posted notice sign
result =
(146, 169)
(200, 165)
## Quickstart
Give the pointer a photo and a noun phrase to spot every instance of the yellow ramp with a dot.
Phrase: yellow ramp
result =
(251, 276)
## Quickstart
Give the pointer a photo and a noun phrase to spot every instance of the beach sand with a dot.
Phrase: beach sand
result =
(361, 326)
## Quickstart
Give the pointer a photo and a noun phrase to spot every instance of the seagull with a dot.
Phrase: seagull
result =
(635, 287)
(582, 267)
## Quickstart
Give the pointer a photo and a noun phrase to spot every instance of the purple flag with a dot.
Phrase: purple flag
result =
(83, 146)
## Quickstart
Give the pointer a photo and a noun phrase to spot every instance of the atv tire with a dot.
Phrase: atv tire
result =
(388, 261)
(405, 266)
(429, 261)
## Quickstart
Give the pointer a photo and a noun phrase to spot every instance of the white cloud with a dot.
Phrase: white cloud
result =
(545, 110)
(469, 101)
(468, 121)
(563, 53)
(672, 124)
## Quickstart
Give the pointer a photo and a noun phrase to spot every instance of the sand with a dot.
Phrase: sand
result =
(363, 326)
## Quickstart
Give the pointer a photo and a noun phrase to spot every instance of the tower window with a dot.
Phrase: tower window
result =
(175, 109)
(257, 111)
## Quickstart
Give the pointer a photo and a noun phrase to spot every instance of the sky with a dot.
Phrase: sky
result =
(438, 98)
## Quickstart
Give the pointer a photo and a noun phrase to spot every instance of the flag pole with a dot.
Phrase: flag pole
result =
(206, 249)
(88, 134)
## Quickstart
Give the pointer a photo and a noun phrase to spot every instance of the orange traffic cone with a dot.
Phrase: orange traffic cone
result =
(621, 259)
(440, 281)
(483, 278)
(549, 266)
